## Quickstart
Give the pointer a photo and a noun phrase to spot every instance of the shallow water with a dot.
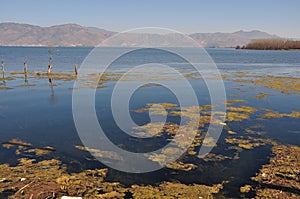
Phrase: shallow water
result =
(42, 114)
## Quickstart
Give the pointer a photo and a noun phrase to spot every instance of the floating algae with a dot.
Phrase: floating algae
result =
(286, 85)
(15, 142)
(273, 114)
(281, 177)
(235, 101)
(176, 190)
(156, 129)
(253, 132)
(49, 179)
(181, 166)
(165, 156)
(261, 95)
(154, 108)
(150, 85)
(24, 148)
(41, 151)
(232, 133)
(244, 109)
(6, 78)
(215, 157)
(209, 142)
(247, 142)
(245, 189)
(239, 113)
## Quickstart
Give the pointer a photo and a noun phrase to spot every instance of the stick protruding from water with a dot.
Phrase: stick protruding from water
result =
(76, 69)
(2, 65)
(50, 65)
(25, 65)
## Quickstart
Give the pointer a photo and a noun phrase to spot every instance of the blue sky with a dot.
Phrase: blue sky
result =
(281, 17)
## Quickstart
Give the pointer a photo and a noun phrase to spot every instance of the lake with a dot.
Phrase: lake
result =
(40, 113)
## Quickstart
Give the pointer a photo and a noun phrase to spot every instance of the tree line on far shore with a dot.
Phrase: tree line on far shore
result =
(271, 44)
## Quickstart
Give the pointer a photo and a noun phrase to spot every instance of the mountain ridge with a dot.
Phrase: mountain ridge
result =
(16, 34)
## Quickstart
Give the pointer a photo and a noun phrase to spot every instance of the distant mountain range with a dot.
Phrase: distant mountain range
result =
(14, 34)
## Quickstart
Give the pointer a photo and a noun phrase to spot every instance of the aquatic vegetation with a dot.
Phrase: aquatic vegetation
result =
(24, 148)
(23, 85)
(209, 142)
(280, 178)
(181, 166)
(236, 116)
(6, 78)
(232, 133)
(269, 193)
(154, 108)
(286, 85)
(28, 179)
(245, 189)
(175, 190)
(15, 142)
(149, 85)
(50, 179)
(253, 132)
(261, 95)
(247, 142)
(41, 151)
(215, 157)
(273, 114)
(239, 113)
(244, 109)
(4, 88)
(165, 156)
(156, 129)
(235, 101)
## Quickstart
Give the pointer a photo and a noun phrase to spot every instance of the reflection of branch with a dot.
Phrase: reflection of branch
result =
(52, 96)
(26, 78)
(3, 76)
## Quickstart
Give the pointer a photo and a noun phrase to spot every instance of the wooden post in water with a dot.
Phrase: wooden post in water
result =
(25, 71)
(25, 66)
(2, 65)
(76, 69)
(49, 66)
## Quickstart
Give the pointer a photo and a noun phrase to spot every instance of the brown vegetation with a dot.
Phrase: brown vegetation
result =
(272, 44)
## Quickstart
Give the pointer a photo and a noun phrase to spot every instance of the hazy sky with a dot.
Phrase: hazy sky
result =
(281, 17)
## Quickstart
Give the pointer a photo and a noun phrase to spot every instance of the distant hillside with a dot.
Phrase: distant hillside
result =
(230, 39)
(13, 34)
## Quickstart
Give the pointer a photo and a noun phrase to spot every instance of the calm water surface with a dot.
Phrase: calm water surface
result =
(42, 115)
